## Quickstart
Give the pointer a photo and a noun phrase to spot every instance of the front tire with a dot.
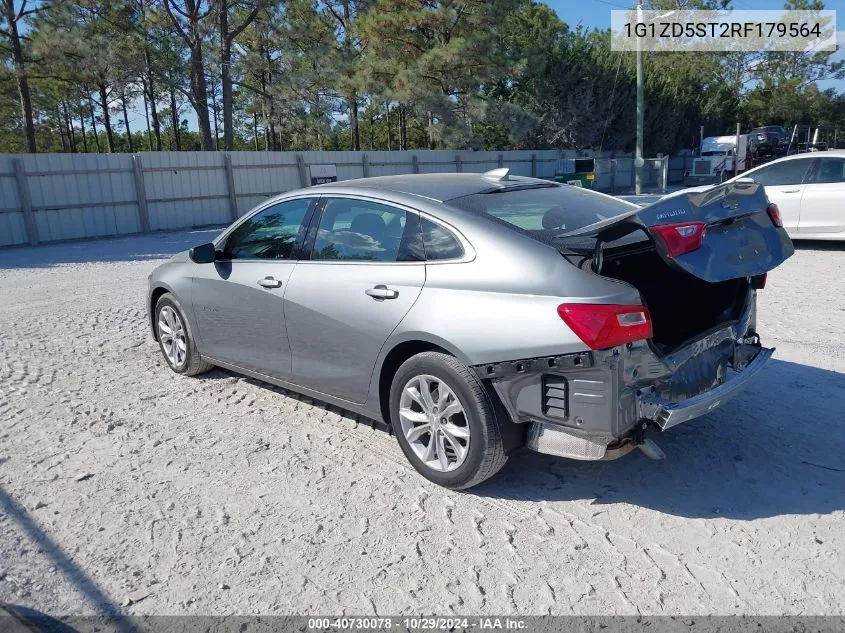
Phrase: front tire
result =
(445, 422)
(175, 338)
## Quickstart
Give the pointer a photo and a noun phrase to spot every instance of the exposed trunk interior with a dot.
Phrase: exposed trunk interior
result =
(682, 306)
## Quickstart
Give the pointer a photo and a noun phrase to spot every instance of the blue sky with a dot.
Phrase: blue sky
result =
(596, 13)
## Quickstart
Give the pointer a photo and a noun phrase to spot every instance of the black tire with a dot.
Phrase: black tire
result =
(486, 453)
(192, 364)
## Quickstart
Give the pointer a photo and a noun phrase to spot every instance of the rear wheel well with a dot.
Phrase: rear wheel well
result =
(391, 364)
(154, 297)
(513, 435)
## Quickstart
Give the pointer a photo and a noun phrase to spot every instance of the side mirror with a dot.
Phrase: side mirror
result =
(202, 254)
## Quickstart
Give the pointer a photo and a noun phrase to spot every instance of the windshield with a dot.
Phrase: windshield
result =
(544, 212)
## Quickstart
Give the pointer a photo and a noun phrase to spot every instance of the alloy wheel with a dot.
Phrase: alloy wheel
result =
(434, 423)
(171, 333)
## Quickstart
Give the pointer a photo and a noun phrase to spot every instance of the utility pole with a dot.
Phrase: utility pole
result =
(736, 152)
(638, 154)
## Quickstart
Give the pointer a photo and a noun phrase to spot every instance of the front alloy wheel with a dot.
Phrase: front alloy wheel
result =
(175, 338)
(434, 423)
(171, 333)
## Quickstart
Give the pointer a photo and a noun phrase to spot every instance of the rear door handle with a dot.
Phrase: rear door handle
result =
(382, 292)
(269, 282)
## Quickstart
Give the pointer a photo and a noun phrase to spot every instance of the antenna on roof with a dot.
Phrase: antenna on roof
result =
(497, 174)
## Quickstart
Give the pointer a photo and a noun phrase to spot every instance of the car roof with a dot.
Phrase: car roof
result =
(437, 187)
(834, 153)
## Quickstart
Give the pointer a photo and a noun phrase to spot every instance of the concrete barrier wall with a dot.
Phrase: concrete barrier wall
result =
(53, 197)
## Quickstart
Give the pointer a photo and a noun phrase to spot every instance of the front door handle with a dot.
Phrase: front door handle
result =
(382, 292)
(269, 282)
(788, 190)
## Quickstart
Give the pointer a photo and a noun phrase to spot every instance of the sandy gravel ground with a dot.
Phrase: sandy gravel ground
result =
(126, 487)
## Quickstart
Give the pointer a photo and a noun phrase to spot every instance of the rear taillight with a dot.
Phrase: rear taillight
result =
(602, 325)
(774, 214)
(759, 282)
(680, 238)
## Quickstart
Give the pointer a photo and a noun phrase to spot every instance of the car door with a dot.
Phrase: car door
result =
(366, 270)
(238, 298)
(822, 210)
(784, 184)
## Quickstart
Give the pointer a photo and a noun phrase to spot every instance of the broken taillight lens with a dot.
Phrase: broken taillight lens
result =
(774, 214)
(602, 325)
(680, 238)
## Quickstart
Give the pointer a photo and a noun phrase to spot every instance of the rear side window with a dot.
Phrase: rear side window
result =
(544, 212)
(439, 243)
(789, 172)
(361, 230)
(830, 170)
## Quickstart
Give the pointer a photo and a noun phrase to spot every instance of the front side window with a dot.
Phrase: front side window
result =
(830, 170)
(361, 230)
(789, 172)
(270, 234)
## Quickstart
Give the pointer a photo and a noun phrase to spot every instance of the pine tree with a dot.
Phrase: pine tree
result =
(11, 18)
(192, 21)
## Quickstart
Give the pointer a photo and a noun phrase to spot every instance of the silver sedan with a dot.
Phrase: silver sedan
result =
(480, 313)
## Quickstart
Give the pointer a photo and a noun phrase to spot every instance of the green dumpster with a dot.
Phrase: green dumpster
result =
(580, 172)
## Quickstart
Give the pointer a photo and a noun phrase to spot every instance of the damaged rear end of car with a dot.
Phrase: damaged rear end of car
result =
(697, 262)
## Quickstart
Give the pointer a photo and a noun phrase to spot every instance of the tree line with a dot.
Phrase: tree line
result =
(372, 74)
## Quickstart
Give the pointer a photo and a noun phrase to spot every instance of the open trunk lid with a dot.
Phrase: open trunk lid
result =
(735, 234)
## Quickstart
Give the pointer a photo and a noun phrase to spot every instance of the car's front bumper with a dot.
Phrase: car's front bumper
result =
(587, 405)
